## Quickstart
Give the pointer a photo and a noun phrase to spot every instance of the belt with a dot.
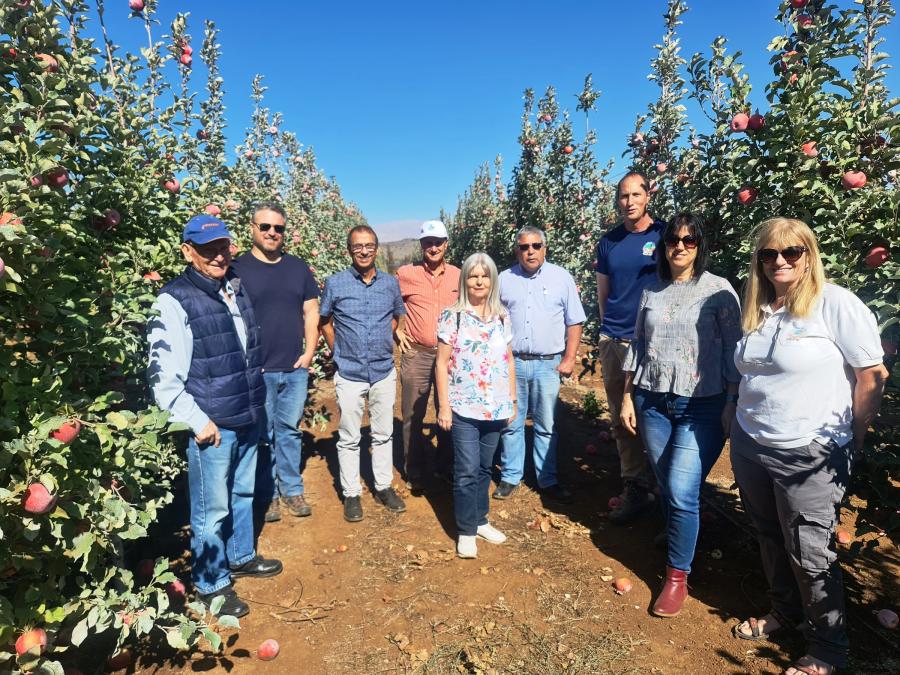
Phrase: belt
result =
(535, 357)
(422, 348)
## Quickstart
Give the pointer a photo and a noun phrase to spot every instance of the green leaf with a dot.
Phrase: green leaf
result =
(216, 604)
(228, 621)
(117, 419)
(175, 640)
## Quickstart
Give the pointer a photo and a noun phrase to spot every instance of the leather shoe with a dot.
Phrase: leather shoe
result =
(353, 512)
(232, 606)
(505, 490)
(558, 493)
(673, 594)
(258, 567)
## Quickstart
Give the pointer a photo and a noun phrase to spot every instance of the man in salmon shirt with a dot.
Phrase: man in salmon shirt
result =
(428, 287)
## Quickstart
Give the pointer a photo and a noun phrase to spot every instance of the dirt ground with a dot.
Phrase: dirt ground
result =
(388, 595)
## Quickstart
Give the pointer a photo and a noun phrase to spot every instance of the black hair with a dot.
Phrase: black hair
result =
(694, 225)
(267, 205)
(361, 228)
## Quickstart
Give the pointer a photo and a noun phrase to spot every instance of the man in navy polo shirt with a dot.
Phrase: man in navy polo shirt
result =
(626, 265)
(359, 314)
(286, 300)
(205, 369)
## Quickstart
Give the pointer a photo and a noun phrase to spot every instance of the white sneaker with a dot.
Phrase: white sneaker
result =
(490, 533)
(466, 546)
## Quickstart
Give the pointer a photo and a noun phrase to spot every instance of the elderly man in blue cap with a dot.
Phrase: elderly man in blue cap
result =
(205, 369)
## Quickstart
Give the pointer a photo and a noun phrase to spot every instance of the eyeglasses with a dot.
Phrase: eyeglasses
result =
(689, 241)
(359, 248)
(265, 227)
(791, 254)
(537, 246)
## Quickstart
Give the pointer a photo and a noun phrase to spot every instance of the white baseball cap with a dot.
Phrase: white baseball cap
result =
(433, 228)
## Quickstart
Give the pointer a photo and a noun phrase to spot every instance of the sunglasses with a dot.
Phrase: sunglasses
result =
(791, 254)
(358, 248)
(537, 246)
(265, 227)
(689, 241)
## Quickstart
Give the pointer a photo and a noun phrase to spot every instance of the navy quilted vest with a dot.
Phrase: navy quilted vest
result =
(226, 384)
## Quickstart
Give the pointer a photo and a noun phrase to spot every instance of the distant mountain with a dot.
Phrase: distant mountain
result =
(393, 254)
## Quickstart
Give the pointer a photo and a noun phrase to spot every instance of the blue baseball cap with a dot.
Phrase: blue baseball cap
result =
(205, 228)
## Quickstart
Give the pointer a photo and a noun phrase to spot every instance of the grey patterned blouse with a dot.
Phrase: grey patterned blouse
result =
(685, 336)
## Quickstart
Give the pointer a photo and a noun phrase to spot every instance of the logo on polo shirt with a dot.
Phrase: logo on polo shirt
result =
(649, 248)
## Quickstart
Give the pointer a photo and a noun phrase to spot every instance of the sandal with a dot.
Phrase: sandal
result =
(755, 633)
(811, 666)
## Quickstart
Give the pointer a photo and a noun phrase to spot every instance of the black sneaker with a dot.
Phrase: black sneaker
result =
(390, 500)
(273, 513)
(353, 509)
(258, 567)
(232, 606)
(558, 493)
(505, 490)
(634, 502)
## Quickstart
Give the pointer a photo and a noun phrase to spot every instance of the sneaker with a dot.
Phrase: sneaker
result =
(232, 606)
(297, 505)
(466, 546)
(353, 512)
(258, 567)
(390, 500)
(505, 490)
(273, 513)
(634, 502)
(558, 493)
(490, 533)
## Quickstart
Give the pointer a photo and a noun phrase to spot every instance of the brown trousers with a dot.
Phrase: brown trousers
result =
(417, 383)
(632, 457)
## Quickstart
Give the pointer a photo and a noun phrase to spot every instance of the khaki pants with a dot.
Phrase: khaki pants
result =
(417, 383)
(632, 457)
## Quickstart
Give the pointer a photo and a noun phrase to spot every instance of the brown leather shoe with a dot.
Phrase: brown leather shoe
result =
(297, 505)
(673, 594)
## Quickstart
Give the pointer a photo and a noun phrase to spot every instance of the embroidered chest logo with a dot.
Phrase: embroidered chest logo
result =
(649, 248)
(796, 331)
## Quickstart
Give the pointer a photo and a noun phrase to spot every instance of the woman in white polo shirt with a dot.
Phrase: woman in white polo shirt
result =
(811, 382)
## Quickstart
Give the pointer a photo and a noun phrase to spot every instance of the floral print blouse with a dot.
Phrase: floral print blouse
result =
(479, 364)
(685, 336)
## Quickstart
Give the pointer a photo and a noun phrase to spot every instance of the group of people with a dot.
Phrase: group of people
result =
(793, 377)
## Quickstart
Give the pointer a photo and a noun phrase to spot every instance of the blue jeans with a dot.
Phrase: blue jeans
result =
(474, 445)
(684, 438)
(537, 392)
(220, 484)
(278, 468)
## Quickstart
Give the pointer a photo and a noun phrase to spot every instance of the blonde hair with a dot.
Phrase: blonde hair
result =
(479, 259)
(802, 296)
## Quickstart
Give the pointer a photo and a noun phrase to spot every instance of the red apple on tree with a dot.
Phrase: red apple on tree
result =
(212, 209)
(809, 149)
(38, 500)
(567, 150)
(31, 639)
(202, 135)
(186, 59)
(747, 194)
(50, 64)
(172, 185)
(67, 432)
(136, 5)
(740, 122)
(2, 268)
(756, 122)
(805, 21)
(799, 4)
(877, 256)
(853, 180)
(57, 178)
(661, 167)
(153, 276)
(110, 219)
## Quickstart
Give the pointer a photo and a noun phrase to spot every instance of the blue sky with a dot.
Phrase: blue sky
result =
(403, 100)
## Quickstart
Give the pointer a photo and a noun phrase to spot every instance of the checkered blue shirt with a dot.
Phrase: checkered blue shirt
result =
(362, 314)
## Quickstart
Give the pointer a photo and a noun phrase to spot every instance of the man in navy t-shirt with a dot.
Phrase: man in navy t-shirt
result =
(626, 265)
(286, 300)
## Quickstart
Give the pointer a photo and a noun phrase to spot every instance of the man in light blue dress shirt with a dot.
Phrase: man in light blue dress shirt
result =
(547, 318)
(205, 368)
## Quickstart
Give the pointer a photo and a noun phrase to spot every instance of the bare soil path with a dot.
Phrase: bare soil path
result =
(388, 595)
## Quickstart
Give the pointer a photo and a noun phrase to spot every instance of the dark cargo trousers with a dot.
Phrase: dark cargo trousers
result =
(792, 497)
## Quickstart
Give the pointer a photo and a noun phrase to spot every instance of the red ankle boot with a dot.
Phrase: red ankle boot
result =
(673, 594)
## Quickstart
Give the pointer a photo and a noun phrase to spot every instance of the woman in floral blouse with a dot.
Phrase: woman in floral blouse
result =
(476, 385)
(681, 388)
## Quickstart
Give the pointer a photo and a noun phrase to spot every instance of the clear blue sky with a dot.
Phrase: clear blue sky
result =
(403, 100)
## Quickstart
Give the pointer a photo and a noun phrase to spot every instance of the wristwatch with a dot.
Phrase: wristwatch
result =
(731, 398)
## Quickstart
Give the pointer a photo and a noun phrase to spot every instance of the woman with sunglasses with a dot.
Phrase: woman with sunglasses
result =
(811, 382)
(680, 388)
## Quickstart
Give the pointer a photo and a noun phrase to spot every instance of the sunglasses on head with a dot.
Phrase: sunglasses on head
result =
(791, 254)
(264, 227)
(537, 246)
(689, 240)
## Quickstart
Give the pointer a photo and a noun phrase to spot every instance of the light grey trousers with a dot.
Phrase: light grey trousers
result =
(351, 398)
(792, 497)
